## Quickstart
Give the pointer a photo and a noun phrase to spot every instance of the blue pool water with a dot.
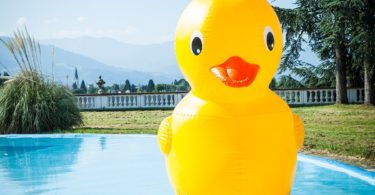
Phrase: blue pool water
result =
(133, 165)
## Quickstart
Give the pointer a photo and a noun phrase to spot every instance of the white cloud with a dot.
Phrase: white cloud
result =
(2, 34)
(81, 19)
(21, 21)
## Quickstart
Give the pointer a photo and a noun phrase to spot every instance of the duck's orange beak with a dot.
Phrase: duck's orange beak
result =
(236, 72)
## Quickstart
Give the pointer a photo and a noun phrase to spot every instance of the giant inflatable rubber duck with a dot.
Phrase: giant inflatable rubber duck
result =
(231, 135)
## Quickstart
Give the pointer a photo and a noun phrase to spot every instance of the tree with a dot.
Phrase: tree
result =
(127, 86)
(363, 43)
(115, 88)
(83, 87)
(74, 86)
(342, 32)
(288, 82)
(182, 85)
(6, 74)
(324, 23)
(1, 80)
(142, 88)
(151, 86)
(133, 88)
(160, 87)
(92, 89)
(273, 84)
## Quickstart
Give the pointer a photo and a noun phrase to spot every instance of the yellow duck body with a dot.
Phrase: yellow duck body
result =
(231, 134)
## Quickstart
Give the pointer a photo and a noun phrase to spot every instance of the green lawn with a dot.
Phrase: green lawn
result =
(343, 132)
(346, 133)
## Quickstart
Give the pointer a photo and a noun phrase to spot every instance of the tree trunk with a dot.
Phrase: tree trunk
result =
(369, 86)
(341, 62)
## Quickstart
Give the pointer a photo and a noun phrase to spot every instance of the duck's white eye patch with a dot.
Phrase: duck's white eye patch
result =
(269, 38)
(196, 43)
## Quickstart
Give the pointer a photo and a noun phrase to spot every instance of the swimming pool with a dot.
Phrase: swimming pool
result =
(133, 165)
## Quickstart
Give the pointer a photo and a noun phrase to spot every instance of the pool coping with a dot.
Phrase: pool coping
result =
(334, 165)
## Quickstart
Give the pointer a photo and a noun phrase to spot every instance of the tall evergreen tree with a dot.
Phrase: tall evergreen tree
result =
(83, 87)
(288, 82)
(324, 24)
(273, 84)
(151, 86)
(127, 86)
(133, 88)
(363, 43)
(74, 86)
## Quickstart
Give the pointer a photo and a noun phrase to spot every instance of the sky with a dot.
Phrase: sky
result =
(129, 21)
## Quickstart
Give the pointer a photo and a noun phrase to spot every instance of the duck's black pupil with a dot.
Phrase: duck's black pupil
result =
(270, 41)
(196, 46)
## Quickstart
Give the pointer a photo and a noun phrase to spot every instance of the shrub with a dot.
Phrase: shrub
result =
(30, 102)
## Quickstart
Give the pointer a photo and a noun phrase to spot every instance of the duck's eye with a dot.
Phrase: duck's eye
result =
(196, 43)
(269, 38)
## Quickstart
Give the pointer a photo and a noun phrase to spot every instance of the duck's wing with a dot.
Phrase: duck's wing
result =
(299, 131)
(165, 135)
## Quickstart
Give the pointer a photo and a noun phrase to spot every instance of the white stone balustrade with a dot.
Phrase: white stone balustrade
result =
(170, 100)
(128, 101)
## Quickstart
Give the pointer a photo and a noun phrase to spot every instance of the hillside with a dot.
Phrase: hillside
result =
(154, 58)
(88, 68)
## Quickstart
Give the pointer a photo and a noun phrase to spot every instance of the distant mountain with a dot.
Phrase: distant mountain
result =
(88, 68)
(155, 58)
(114, 60)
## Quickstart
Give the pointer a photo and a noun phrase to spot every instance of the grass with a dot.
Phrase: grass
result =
(345, 133)
(135, 121)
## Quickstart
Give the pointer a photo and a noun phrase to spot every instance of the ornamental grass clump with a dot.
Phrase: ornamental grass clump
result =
(30, 102)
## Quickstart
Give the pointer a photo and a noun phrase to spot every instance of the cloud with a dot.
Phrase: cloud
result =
(81, 19)
(2, 34)
(21, 21)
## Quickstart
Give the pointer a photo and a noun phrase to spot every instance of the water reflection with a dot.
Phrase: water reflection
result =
(103, 143)
(82, 164)
(36, 161)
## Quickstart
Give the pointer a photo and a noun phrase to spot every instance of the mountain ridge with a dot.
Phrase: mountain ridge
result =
(153, 58)
(89, 69)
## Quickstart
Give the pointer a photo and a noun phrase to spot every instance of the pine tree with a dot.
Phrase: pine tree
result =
(74, 86)
(83, 87)
(133, 88)
(324, 24)
(151, 86)
(363, 43)
(273, 84)
(288, 82)
(127, 86)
